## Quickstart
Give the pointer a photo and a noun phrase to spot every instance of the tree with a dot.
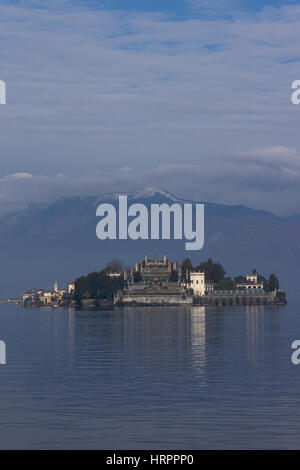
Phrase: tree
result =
(218, 272)
(240, 279)
(273, 282)
(281, 296)
(137, 276)
(97, 286)
(93, 285)
(213, 271)
(186, 265)
(81, 288)
(115, 266)
(262, 280)
(225, 284)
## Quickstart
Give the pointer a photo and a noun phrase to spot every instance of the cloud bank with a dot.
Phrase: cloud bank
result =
(257, 176)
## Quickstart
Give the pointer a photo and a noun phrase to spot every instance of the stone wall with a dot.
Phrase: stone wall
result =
(236, 298)
(152, 299)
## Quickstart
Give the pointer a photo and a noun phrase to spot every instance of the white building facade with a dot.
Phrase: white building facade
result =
(251, 283)
(197, 283)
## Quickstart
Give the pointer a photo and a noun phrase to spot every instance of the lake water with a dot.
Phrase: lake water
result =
(143, 378)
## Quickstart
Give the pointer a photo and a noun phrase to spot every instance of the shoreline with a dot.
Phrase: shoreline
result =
(92, 304)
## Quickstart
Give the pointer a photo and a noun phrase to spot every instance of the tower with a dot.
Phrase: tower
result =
(55, 286)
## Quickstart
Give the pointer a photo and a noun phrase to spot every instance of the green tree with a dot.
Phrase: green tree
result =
(137, 276)
(264, 281)
(115, 266)
(93, 285)
(225, 284)
(273, 282)
(186, 266)
(97, 286)
(81, 288)
(240, 279)
(213, 271)
(281, 296)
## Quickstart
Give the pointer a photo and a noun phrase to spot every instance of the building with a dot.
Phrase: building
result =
(197, 283)
(252, 278)
(47, 297)
(71, 287)
(32, 296)
(155, 270)
(40, 297)
(209, 286)
(156, 285)
(116, 275)
(250, 283)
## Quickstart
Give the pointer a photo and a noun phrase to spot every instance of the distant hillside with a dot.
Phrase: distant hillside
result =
(58, 241)
(294, 217)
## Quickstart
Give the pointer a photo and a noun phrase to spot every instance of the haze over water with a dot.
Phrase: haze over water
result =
(144, 378)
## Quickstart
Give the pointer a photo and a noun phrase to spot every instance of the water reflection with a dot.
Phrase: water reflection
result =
(193, 337)
(71, 336)
(255, 335)
(188, 377)
(197, 317)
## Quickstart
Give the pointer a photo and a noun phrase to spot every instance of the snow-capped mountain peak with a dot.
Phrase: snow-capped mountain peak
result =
(141, 193)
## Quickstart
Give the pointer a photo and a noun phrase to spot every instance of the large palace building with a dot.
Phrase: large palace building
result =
(159, 282)
(154, 281)
(156, 270)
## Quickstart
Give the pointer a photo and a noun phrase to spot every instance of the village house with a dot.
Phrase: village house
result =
(44, 296)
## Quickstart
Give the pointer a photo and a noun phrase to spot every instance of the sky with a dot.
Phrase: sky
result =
(191, 96)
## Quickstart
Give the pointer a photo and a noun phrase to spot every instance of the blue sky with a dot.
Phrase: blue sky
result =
(187, 8)
(192, 96)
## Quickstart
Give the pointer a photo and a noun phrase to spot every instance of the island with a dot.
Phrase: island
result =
(158, 282)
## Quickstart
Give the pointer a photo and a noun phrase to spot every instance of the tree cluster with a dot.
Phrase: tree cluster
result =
(97, 285)
(213, 271)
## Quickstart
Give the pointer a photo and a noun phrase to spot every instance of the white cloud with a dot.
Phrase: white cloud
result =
(90, 92)
(282, 162)
(217, 8)
(255, 182)
(18, 176)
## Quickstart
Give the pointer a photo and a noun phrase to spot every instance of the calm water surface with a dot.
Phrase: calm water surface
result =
(143, 378)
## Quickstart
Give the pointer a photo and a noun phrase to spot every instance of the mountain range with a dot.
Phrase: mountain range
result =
(53, 241)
